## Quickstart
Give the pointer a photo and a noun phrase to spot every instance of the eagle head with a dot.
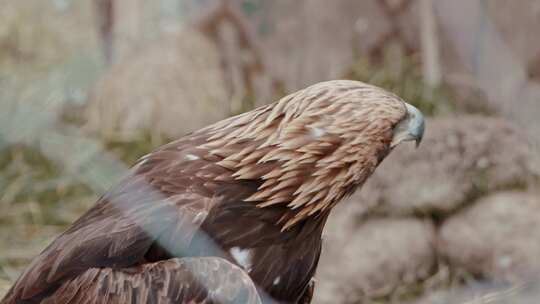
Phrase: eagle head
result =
(314, 147)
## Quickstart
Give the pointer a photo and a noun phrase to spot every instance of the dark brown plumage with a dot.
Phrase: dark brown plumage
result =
(239, 204)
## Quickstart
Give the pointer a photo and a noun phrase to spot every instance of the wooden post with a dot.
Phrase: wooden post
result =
(104, 10)
(431, 65)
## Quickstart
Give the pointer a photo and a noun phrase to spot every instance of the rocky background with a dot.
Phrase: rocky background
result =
(88, 86)
(456, 220)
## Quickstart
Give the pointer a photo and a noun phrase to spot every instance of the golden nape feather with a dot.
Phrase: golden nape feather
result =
(244, 200)
(311, 148)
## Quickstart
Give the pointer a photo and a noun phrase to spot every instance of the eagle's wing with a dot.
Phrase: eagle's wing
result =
(186, 280)
(153, 214)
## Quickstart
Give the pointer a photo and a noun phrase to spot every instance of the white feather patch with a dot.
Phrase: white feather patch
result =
(317, 132)
(242, 257)
(191, 157)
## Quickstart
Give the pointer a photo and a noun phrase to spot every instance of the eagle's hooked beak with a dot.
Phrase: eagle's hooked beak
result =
(409, 128)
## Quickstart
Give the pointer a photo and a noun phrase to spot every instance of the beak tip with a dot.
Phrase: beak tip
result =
(411, 128)
(417, 124)
(418, 141)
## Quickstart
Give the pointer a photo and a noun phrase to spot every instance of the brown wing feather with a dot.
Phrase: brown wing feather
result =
(161, 204)
(187, 280)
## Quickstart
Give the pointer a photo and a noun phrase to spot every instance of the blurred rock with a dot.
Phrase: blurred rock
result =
(482, 293)
(37, 34)
(302, 33)
(496, 238)
(525, 15)
(461, 158)
(299, 33)
(170, 87)
(500, 73)
(374, 259)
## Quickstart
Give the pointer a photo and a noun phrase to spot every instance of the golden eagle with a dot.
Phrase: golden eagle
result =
(232, 213)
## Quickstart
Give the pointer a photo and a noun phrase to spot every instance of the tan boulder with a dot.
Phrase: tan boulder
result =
(373, 259)
(170, 87)
(461, 158)
(496, 238)
(482, 293)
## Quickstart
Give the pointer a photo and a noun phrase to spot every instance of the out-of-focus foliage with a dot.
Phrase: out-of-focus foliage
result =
(130, 150)
(48, 58)
(30, 177)
(406, 81)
